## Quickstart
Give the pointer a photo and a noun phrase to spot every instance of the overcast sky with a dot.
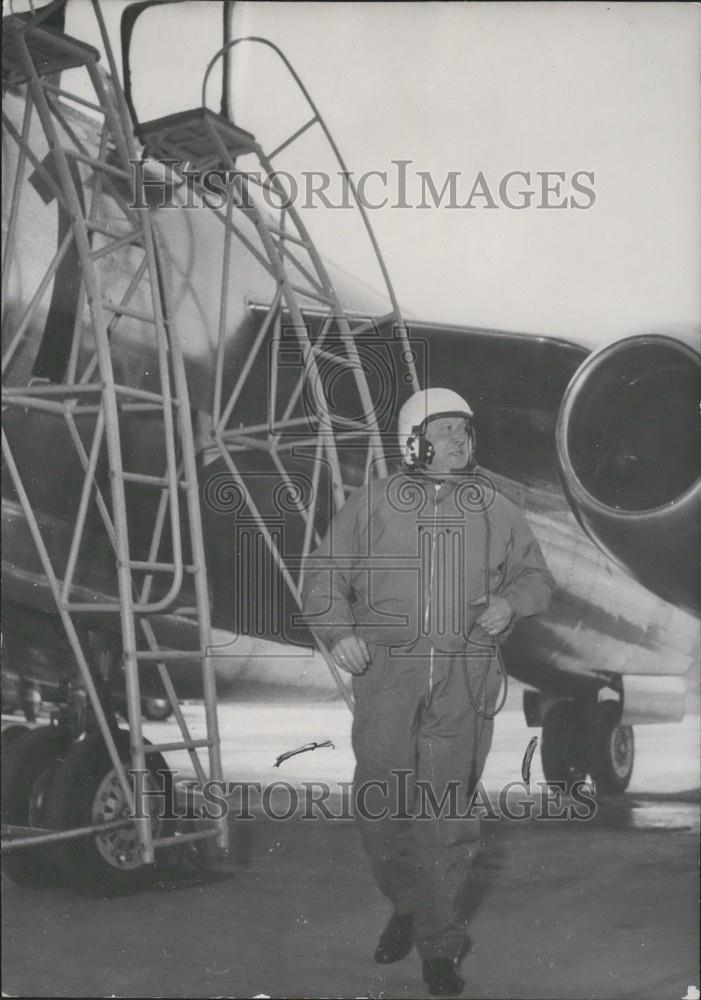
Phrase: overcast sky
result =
(609, 90)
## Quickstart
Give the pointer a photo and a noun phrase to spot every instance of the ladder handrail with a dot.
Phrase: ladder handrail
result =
(337, 153)
(132, 611)
(127, 23)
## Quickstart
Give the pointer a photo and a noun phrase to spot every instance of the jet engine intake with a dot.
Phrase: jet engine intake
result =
(628, 442)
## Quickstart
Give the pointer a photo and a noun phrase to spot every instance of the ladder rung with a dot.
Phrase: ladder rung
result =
(68, 95)
(169, 654)
(125, 311)
(160, 567)
(114, 608)
(152, 397)
(311, 294)
(139, 408)
(180, 745)
(146, 480)
(123, 175)
(180, 838)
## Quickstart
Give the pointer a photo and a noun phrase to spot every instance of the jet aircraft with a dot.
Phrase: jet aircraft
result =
(190, 395)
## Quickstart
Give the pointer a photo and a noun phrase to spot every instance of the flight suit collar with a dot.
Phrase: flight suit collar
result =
(446, 482)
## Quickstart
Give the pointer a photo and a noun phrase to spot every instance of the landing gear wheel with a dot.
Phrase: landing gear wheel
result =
(612, 751)
(30, 760)
(563, 747)
(156, 709)
(86, 791)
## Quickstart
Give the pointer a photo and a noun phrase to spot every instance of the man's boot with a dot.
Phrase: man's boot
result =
(396, 940)
(441, 977)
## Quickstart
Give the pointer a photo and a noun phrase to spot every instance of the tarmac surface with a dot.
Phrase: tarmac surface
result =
(599, 908)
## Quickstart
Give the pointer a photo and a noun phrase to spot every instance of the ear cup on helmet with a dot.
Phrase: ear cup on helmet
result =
(413, 450)
(419, 451)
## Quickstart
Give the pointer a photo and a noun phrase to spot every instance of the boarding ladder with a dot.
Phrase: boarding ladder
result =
(328, 334)
(154, 595)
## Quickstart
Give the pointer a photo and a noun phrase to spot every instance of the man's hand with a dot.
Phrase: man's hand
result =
(497, 616)
(351, 654)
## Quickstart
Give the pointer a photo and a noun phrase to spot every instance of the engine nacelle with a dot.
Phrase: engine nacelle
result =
(628, 442)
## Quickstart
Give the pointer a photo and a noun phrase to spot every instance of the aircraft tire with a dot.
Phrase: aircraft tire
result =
(30, 760)
(86, 791)
(563, 747)
(612, 750)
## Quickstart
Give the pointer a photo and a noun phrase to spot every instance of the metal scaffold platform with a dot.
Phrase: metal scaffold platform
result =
(103, 444)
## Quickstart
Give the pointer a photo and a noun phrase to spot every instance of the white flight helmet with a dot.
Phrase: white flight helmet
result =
(414, 416)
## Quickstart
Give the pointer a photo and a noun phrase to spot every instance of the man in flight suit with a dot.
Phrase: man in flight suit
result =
(417, 576)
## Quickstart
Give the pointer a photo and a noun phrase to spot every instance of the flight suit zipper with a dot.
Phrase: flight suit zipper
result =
(427, 615)
(427, 610)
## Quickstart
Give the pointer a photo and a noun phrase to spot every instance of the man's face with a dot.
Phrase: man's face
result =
(451, 444)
